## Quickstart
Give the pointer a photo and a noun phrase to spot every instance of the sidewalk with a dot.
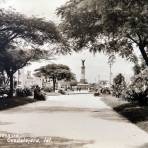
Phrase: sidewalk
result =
(79, 119)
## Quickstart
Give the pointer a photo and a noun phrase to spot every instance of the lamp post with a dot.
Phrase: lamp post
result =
(111, 61)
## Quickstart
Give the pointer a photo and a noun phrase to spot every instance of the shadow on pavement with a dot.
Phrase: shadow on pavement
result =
(48, 109)
(105, 114)
(144, 146)
(9, 103)
(5, 123)
(133, 112)
(108, 114)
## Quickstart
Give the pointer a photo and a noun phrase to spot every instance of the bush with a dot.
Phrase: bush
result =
(119, 86)
(4, 91)
(40, 96)
(137, 97)
(23, 92)
(137, 91)
(105, 91)
(61, 92)
(96, 94)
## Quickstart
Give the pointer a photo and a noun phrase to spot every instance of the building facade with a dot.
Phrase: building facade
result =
(27, 80)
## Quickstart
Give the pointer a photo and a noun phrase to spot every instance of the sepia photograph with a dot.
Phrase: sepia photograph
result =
(73, 73)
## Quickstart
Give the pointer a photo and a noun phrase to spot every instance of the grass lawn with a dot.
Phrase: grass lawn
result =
(133, 112)
(14, 102)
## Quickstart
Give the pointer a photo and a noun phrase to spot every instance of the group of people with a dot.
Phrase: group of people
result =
(78, 89)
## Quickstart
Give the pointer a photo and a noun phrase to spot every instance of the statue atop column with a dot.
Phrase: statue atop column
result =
(83, 85)
(83, 80)
(83, 63)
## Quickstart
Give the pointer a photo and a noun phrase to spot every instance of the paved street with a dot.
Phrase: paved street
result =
(80, 117)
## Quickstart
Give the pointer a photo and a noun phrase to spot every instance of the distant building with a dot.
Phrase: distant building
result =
(64, 84)
(46, 82)
(26, 80)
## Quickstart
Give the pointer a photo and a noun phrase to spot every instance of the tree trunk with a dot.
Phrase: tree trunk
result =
(54, 83)
(11, 85)
(144, 54)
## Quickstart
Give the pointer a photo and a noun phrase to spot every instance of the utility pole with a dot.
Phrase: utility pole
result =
(110, 74)
(98, 79)
(111, 61)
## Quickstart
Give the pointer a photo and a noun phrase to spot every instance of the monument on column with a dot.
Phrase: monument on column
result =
(83, 85)
(83, 80)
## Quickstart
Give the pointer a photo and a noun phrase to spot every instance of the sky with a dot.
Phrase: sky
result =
(97, 67)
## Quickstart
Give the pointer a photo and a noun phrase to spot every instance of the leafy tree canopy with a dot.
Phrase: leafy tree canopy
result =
(12, 60)
(17, 29)
(60, 72)
(107, 25)
(23, 39)
(56, 72)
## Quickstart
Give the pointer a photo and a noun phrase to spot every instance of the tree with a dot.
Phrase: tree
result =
(137, 69)
(56, 72)
(119, 85)
(1, 76)
(19, 31)
(14, 59)
(107, 25)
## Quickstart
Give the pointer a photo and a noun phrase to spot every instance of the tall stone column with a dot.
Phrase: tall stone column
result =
(83, 80)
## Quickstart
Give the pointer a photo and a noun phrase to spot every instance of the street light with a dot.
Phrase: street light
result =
(111, 61)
